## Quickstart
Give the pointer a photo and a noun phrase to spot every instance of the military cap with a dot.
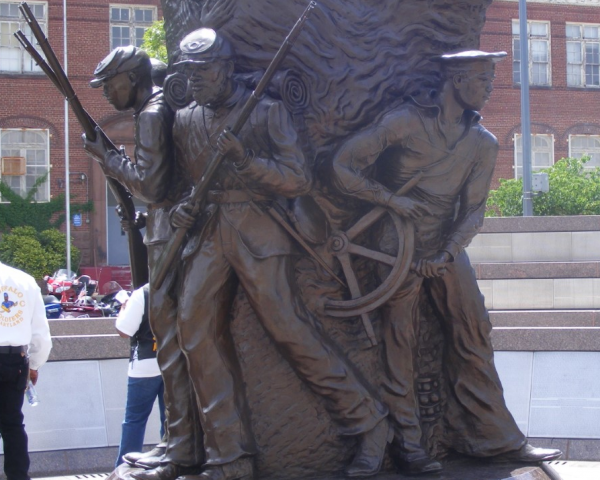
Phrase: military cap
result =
(121, 59)
(469, 56)
(203, 46)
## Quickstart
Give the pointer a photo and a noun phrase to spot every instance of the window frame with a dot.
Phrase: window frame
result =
(48, 166)
(518, 169)
(582, 42)
(131, 23)
(530, 38)
(584, 152)
(14, 43)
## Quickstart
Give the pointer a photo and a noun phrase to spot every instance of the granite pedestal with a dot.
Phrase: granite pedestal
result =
(453, 470)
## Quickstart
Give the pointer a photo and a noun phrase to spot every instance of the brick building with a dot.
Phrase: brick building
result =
(32, 111)
(564, 69)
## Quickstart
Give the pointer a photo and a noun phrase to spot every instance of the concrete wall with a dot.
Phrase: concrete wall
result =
(82, 405)
(546, 317)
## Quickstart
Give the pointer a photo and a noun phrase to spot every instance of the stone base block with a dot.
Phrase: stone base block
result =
(457, 470)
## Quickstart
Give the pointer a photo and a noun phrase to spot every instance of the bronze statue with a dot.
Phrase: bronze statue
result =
(440, 137)
(261, 375)
(126, 78)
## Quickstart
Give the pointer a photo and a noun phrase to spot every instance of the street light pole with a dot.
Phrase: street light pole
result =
(525, 113)
(67, 166)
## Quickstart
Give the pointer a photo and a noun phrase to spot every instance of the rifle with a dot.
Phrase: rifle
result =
(198, 195)
(138, 254)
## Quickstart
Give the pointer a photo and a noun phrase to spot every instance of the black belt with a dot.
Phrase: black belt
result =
(10, 349)
(233, 196)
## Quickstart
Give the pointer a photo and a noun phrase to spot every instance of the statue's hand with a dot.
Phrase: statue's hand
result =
(434, 266)
(408, 208)
(182, 217)
(96, 148)
(138, 223)
(231, 147)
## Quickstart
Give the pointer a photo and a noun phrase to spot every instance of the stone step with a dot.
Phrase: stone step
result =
(545, 318)
(536, 270)
(541, 293)
(535, 247)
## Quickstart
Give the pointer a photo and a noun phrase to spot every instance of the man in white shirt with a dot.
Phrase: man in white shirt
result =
(145, 382)
(25, 345)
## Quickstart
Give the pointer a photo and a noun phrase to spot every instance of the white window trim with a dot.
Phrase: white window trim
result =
(47, 132)
(587, 167)
(582, 41)
(530, 66)
(533, 168)
(131, 23)
(24, 55)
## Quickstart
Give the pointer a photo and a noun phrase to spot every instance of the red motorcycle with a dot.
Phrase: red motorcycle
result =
(60, 281)
(67, 287)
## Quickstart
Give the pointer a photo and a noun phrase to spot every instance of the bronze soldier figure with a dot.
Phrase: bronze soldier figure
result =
(443, 139)
(243, 245)
(126, 77)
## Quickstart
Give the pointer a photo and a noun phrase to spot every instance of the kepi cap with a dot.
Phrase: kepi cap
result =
(203, 46)
(121, 59)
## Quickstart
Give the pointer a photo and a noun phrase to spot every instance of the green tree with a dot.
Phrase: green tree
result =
(155, 42)
(574, 190)
(36, 253)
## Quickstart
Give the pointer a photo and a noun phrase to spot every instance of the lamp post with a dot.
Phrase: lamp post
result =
(525, 114)
(67, 166)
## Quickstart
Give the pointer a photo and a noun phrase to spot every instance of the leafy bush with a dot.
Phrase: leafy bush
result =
(155, 42)
(36, 253)
(19, 211)
(574, 190)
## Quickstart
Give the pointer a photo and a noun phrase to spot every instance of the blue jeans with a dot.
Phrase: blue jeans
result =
(141, 393)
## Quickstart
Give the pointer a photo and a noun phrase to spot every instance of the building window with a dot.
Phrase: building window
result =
(583, 55)
(24, 160)
(129, 23)
(539, 53)
(13, 58)
(585, 145)
(542, 153)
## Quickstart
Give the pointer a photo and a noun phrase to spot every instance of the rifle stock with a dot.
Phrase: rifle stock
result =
(171, 250)
(138, 254)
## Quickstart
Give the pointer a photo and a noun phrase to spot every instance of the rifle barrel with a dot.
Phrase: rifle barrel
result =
(54, 71)
(37, 58)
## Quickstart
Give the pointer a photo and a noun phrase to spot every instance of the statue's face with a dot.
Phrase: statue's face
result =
(474, 87)
(120, 91)
(208, 81)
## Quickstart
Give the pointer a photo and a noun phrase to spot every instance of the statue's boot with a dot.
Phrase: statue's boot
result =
(419, 465)
(165, 471)
(240, 469)
(370, 452)
(149, 462)
(133, 458)
(529, 454)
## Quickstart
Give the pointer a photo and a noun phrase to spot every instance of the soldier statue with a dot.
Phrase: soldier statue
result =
(441, 137)
(126, 78)
(241, 244)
